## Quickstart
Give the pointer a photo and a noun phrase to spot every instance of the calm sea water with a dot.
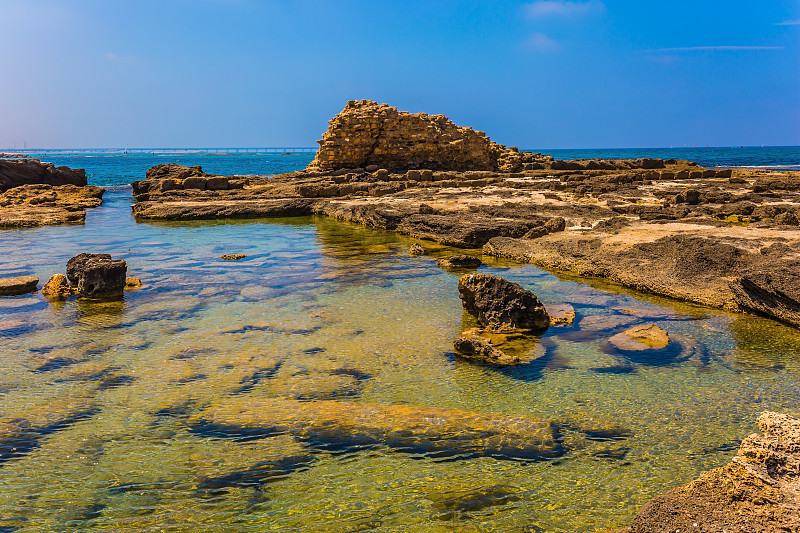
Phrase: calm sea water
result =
(104, 169)
(323, 309)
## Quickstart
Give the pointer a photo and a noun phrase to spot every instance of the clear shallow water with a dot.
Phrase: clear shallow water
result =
(315, 298)
(104, 169)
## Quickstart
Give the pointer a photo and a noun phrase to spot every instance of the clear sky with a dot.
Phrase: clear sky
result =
(538, 74)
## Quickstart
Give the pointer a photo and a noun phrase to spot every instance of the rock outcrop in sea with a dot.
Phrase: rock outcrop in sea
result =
(367, 134)
(14, 173)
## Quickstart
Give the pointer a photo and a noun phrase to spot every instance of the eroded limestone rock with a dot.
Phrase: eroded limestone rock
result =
(57, 288)
(757, 491)
(476, 348)
(366, 134)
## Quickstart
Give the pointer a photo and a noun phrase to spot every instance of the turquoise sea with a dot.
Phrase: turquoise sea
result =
(102, 394)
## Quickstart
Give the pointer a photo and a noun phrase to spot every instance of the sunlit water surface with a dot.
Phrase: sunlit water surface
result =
(316, 299)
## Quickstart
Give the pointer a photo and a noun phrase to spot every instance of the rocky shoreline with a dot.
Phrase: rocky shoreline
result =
(33, 193)
(724, 238)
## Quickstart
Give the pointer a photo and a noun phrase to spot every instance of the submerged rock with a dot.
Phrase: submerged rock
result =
(459, 261)
(232, 257)
(638, 338)
(18, 285)
(501, 305)
(756, 491)
(416, 249)
(476, 348)
(57, 288)
(408, 428)
(457, 504)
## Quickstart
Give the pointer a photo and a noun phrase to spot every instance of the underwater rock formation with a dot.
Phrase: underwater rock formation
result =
(411, 428)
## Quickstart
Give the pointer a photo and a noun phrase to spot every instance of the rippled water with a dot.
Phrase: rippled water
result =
(322, 310)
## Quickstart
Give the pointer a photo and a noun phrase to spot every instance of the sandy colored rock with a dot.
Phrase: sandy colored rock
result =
(232, 257)
(368, 134)
(648, 335)
(57, 288)
(758, 491)
(562, 314)
(43, 205)
(18, 285)
(416, 249)
(132, 283)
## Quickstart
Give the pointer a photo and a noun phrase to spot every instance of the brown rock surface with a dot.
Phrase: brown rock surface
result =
(500, 305)
(44, 205)
(57, 288)
(17, 285)
(642, 337)
(32, 171)
(368, 134)
(758, 491)
(476, 348)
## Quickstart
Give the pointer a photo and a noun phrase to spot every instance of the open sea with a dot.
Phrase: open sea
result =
(101, 395)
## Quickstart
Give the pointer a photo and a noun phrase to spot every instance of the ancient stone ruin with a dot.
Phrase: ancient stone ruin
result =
(367, 134)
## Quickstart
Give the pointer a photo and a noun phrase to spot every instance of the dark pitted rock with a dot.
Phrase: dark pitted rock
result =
(77, 264)
(18, 285)
(32, 171)
(406, 428)
(476, 348)
(756, 492)
(459, 261)
(376, 136)
(500, 305)
(416, 249)
(57, 288)
(103, 278)
(97, 275)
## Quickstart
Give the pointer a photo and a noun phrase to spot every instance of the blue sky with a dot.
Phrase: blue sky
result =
(538, 74)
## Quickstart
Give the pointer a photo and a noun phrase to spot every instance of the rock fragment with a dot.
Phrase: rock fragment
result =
(18, 285)
(57, 288)
(459, 261)
(476, 348)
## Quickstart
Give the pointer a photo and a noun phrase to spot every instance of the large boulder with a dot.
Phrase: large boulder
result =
(17, 285)
(501, 305)
(371, 135)
(77, 264)
(756, 491)
(97, 275)
(32, 171)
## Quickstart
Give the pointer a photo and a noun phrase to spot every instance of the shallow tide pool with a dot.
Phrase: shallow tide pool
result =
(320, 311)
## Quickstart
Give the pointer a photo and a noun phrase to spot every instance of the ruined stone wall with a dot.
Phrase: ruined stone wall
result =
(367, 133)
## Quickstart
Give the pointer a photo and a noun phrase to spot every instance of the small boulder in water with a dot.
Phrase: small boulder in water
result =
(474, 347)
(638, 338)
(132, 283)
(97, 275)
(18, 285)
(232, 257)
(416, 249)
(57, 288)
(459, 261)
(500, 305)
